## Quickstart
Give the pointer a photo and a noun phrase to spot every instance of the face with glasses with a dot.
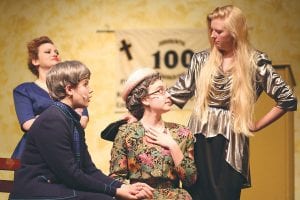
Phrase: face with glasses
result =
(158, 99)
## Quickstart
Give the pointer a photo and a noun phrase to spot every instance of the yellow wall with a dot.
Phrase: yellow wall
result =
(72, 24)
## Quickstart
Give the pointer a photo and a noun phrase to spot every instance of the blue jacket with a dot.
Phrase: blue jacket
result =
(48, 166)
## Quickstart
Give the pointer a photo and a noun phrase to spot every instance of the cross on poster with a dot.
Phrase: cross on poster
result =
(169, 51)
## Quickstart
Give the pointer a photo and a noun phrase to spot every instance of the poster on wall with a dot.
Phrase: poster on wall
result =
(167, 51)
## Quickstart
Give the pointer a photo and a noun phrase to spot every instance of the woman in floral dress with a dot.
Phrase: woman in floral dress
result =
(150, 150)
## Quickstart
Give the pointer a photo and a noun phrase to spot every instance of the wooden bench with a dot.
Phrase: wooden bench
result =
(8, 164)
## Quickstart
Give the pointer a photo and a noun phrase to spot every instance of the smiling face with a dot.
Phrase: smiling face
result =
(47, 56)
(158, 99)
(220, 36)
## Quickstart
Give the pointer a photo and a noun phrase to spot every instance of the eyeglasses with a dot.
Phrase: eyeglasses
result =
(160, 91)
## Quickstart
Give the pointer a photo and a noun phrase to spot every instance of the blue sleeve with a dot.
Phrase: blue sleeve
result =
(85, 112)
(23, 105)
(90, 168)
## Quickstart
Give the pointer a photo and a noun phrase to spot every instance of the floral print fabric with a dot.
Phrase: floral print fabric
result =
(134, 159)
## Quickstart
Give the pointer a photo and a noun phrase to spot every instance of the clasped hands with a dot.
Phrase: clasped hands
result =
(135, 191)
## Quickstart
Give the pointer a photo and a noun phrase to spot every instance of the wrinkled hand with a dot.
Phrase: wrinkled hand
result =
(163, 139)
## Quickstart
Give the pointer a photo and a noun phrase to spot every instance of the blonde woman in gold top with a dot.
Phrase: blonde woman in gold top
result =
(226, 80)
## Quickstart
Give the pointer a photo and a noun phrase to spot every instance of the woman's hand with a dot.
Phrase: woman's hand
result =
(79, 111)
(125, 193)
(163, 139)
(83, 119)
(145, 191)
(129, 117)
(26, 125)
(135, 191)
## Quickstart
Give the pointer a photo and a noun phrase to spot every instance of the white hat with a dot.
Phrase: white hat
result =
(135, 78)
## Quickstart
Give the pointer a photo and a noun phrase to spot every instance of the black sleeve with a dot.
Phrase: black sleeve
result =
(110, 132)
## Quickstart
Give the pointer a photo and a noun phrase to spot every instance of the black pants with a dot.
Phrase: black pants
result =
(217, 180)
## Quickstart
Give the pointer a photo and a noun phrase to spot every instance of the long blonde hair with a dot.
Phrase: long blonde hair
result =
(243, 71)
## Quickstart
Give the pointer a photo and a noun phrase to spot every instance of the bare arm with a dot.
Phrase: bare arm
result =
(274, 114)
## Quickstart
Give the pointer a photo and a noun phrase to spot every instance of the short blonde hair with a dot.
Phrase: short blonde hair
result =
(63, 74)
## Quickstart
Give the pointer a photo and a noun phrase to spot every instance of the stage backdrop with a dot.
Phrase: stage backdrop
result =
(169, 51)
(78, 28)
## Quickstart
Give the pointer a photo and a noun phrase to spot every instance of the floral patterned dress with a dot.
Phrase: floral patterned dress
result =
(136, 160)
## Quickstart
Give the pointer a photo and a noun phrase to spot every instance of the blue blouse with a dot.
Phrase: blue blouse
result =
(30, 100)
